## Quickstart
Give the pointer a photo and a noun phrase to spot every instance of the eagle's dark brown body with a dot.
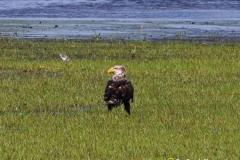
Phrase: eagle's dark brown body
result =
(117, 93)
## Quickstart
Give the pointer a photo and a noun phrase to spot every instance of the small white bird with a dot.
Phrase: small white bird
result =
(64, 57)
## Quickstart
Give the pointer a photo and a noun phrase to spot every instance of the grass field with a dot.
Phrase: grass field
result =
(187, 101)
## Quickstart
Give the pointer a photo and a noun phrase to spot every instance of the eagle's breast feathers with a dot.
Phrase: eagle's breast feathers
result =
(118, 91)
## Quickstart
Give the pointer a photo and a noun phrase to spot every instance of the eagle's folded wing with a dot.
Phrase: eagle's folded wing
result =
(122, 90)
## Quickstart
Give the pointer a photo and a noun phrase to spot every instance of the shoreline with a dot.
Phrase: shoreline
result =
(203, 41)
(121, 29)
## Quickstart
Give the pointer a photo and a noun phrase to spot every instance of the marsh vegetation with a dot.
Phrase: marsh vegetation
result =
(187, 98)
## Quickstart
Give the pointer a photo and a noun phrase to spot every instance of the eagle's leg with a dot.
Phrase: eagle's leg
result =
(127, 107)
(110, 107)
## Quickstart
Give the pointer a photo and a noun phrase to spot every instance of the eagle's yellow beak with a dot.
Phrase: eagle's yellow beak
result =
(111, 71)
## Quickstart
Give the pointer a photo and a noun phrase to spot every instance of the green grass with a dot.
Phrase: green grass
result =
(187, 100)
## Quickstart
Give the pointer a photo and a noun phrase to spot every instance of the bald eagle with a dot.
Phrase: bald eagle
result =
(119, 90)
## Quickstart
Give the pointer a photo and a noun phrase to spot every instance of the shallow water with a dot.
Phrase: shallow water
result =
(112, 8)
(124, 19)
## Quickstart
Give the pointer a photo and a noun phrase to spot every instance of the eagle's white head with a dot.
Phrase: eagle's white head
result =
(118, 71)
